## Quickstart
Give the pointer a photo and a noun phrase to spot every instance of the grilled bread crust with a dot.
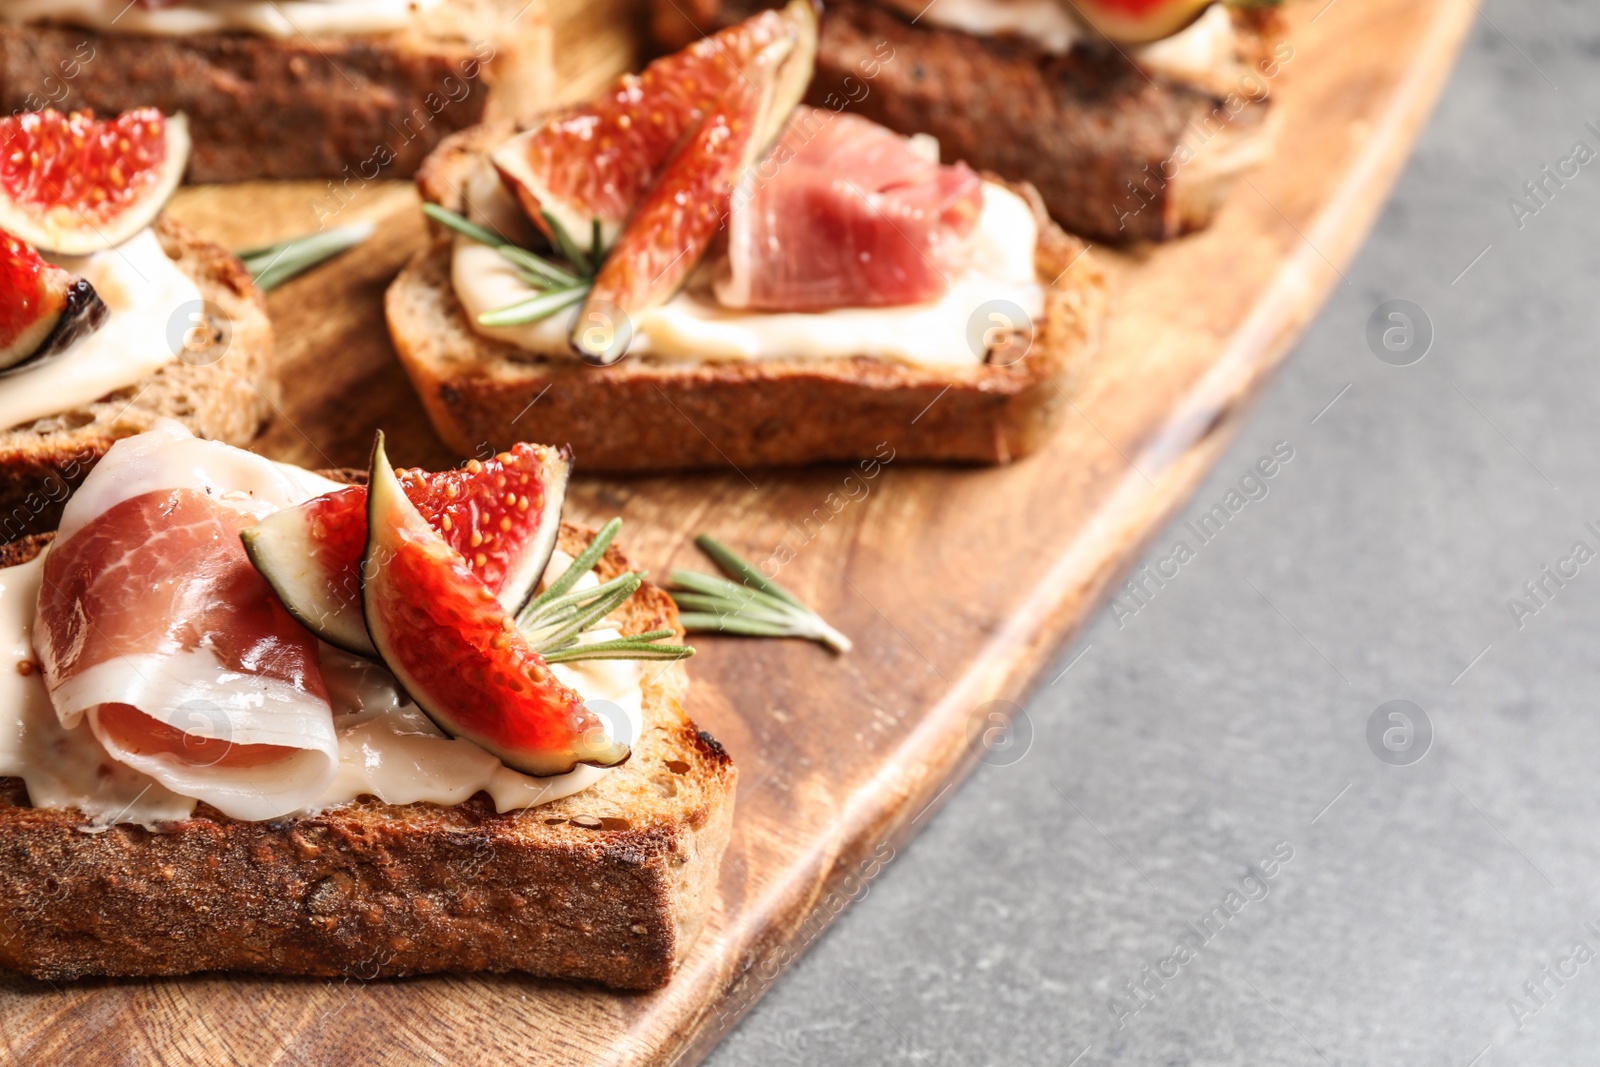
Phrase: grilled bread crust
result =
(611, 885)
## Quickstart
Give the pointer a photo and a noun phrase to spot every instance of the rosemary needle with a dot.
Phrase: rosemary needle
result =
(754, 606)
(521, 257)
(275, 264)
(534, 308)
(568, 247)
(580, 566)
(556, 287)
(555, 621)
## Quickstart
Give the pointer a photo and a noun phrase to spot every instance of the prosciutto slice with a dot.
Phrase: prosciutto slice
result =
(845, 213)
(154, 628)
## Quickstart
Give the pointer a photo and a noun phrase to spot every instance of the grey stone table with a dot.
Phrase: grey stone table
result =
(1225, 846)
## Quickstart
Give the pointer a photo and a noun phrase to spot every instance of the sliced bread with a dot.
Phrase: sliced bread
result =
(224, 390)
(612, 884)
(349, 108)
(648, 413)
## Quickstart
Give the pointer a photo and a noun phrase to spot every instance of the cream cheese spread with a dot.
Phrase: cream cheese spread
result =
(148, 297)
(1046, 23)
(693, 326)
(264, 18)
(1201, 52)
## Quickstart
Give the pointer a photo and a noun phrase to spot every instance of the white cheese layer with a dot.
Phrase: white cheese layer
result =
(387, 747)
(144, 291)
(265, 18)
(1046, 23)
(692, 326)
(1201, 52)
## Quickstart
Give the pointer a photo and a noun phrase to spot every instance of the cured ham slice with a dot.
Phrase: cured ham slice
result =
(846, 213)
(61, 768)
(155, 629)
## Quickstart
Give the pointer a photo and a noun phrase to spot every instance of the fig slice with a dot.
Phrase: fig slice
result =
(457, 651)
(43, 309)
(1140, 21)
(592, 163)
(674, 224)
(503, 514)
(73, 185)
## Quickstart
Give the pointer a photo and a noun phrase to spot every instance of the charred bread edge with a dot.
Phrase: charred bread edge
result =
(225, 391)
(652, 414)
(351, 107)
(372, 890)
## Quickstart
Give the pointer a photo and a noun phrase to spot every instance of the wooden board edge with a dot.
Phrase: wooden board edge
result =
(935, 757)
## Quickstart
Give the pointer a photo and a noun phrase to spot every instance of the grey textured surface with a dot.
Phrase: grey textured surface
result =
(1228, 716)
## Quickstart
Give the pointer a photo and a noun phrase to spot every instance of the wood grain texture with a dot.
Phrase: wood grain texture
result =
(840, 758)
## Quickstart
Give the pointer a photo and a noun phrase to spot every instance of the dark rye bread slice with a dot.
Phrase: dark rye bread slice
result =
(224, 389)
(1107, 145)
(612, 884)
(351, 108)
(647, 413)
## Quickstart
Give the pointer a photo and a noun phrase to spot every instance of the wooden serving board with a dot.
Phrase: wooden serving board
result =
(841, 758)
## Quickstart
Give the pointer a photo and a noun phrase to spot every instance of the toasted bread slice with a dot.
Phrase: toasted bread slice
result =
(612, 884)
(224, 391)
(350, 108)
(1118, 154)
(647, 413)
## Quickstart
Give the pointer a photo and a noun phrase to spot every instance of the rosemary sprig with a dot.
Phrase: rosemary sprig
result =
(521, 258)
(568, 247)
(754, 606)
(580, 566)
(566, 617)
(556, 620)
(638, 646)
(275, 264)
(558, 287)
(534, 308)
